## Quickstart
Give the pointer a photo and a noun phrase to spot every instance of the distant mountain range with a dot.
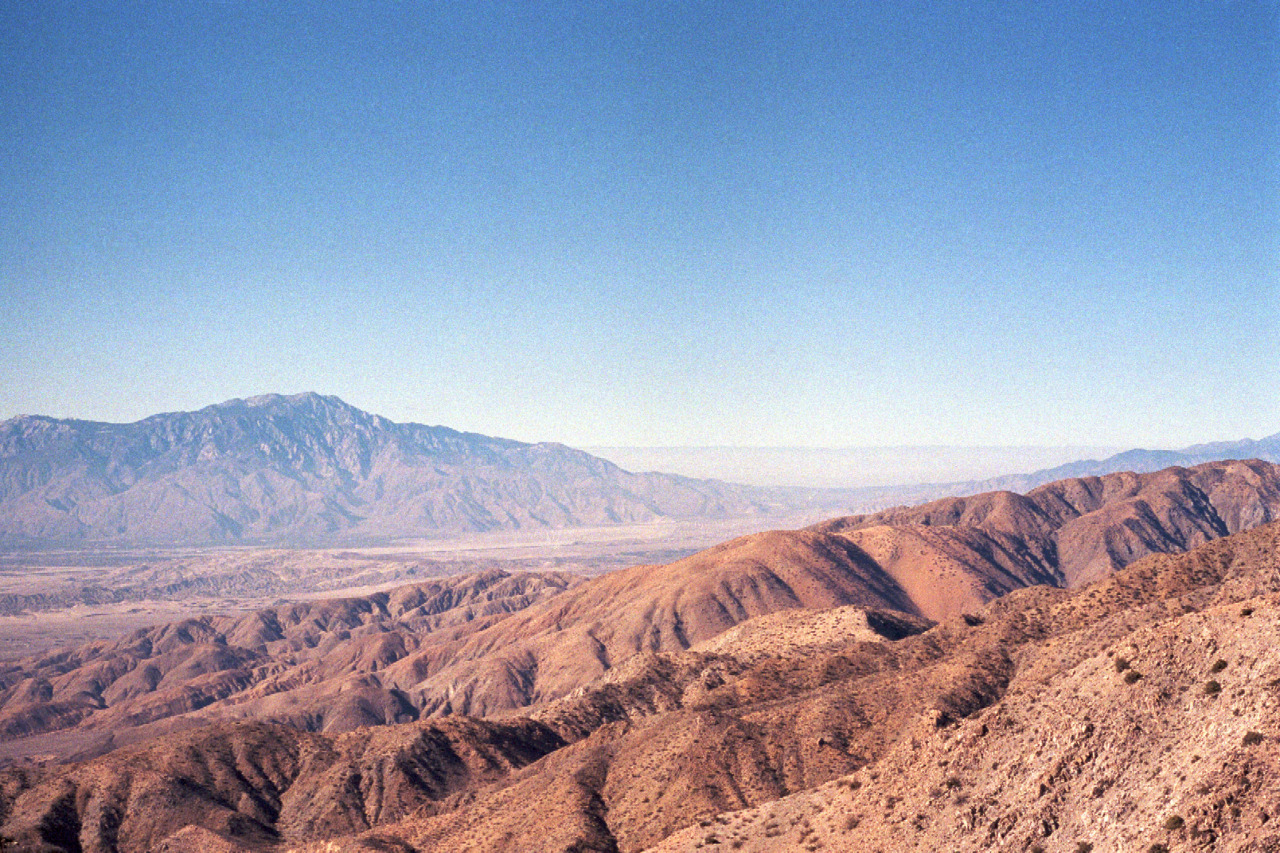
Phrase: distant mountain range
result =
(1138, 461)
(309, 469)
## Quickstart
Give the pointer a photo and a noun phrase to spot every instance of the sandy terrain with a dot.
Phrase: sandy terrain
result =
(59, 597)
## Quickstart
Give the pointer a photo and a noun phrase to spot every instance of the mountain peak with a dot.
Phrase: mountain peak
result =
(305, 401)
(308, 467)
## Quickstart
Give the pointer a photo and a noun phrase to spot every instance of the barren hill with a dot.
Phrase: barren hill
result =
(1152, 726)
(497, 643)
(1137, 710)
(308, 469)
(1082, 529)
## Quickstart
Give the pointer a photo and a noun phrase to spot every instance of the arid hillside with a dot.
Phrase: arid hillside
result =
(1083, 529)
(499, 642)
(1153, 726)
(1137, 710)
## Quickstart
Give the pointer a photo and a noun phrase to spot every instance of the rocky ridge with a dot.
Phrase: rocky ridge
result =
(499, 642)
(1049, 718)
(310, 469)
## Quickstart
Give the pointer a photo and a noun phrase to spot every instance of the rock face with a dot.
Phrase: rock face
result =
(1137, 710)
(310, 469)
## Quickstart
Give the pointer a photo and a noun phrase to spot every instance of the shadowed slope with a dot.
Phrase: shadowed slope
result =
(500, 643)
(1023, 705)
(1083, 529)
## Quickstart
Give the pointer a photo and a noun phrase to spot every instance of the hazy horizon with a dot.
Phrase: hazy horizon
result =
(846, 467)
(628, 224)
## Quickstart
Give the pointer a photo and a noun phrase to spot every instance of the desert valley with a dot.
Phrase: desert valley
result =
(631, 427)
(283, 624)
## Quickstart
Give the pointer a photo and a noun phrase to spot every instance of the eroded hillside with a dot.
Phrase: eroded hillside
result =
(499, 642)
(1048, 717)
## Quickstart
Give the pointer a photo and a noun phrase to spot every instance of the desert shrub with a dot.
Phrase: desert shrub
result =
(1084, 847)
(1251, 738)
(1132, 676)
(1248, 611)
(1212, 688)
(953, 782)
(1157, 848)
(1218, 666)
(1122, 664)
(1173, 822)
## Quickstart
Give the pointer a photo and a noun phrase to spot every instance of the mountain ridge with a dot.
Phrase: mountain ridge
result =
(359, 661)
(1054, 719)
(1137, 460)
(309, 468)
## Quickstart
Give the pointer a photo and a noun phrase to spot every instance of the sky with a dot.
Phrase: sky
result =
(807, 224)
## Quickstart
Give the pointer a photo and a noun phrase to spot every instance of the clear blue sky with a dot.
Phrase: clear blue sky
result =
(651, 223)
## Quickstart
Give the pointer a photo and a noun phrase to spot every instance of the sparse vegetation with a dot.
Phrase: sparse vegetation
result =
(1218, 666)
(1082, 708)
(1212, 688)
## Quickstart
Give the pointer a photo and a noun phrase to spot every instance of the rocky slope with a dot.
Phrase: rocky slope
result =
(1134, 711)
(1082, 529)
(311, 469)
(497, 643)
(315, 665)
(1154, 727)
